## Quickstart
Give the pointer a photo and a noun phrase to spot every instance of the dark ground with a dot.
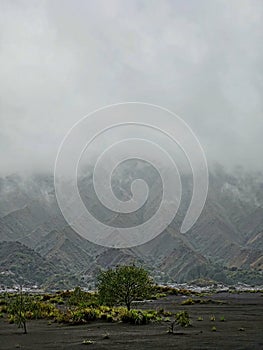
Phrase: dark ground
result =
(242, 329)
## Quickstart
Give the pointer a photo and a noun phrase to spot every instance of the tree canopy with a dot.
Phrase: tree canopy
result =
(123, 285)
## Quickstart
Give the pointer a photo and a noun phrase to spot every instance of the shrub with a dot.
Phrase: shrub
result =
(139, 317)
(84, 299)
(189, 301)
(3, 308)
(185, 292)
(64, 317)
(212, 318)
(159, 295)
(167, 313)
(56, 300)
(181, 319)
(3, 302)
(163, 312)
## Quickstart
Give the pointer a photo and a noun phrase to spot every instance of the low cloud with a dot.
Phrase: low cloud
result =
(62, 59)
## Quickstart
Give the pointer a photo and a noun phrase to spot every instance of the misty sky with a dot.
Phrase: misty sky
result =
(60, 60)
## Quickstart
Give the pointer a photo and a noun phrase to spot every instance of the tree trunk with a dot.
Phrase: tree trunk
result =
(24, 325)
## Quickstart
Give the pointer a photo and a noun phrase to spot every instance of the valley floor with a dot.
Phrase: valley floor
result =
(242, 329)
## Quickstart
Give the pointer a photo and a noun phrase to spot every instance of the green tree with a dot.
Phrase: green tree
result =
(18, 307)
(123, 285)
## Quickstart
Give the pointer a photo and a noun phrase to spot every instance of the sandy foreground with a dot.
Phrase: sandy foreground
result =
(242, 329)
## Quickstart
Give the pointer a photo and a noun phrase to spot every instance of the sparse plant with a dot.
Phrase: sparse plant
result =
(189, 301)
(212, 318)
(181, 319)
(163, 312)
(87, 341)
(200, 318)
(213, 329)
(167, 313)
(106, 335)
(222, 319)
(159, 296)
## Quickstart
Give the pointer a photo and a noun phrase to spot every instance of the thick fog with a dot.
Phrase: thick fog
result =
(60, 60)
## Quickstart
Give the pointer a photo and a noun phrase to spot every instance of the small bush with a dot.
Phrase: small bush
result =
(160, 295)
(3, 308)
(185, 292)
(134, 317)
(189, 301)
(163, 312)
(139, 317)
(83, 299)
(182, 318)
(84, 315)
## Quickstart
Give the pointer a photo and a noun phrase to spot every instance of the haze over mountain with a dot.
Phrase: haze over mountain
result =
(225, 244)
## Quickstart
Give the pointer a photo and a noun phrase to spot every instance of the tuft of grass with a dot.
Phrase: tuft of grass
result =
(213, 329)
(200, 318)
(212, 318)
(87, 341)
(189, 301)
(222, 319)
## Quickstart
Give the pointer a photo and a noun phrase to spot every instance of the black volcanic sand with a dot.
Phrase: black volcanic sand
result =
(242, 329)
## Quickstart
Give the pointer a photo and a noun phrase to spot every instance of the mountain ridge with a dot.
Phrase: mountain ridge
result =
(226, 237)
